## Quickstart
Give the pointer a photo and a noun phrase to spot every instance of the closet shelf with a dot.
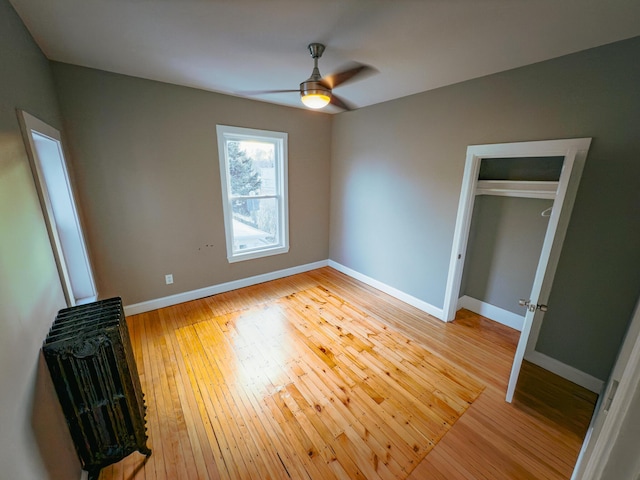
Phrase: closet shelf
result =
(517, 188)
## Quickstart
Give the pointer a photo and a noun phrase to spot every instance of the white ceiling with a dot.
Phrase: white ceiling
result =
(230, 46)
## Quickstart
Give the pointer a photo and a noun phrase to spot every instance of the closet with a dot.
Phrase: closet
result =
(510, 216)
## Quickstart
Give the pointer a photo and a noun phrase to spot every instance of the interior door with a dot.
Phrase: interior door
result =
(554, 237)
(46, 156)
(611, 412)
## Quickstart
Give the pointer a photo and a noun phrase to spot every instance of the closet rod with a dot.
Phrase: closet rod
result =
(517, 188)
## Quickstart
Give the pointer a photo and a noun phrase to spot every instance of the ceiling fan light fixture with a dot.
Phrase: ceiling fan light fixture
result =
(314, 94)
(315, 100)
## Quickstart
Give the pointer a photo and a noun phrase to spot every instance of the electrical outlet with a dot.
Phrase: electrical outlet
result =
(168, 279)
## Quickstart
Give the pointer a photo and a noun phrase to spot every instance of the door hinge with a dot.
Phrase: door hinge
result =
(612, 393)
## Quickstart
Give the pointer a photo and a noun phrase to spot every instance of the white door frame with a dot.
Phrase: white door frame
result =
(31, 125)
(574, 151)
(613, 408)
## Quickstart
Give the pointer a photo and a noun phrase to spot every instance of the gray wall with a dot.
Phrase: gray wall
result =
(146, 164)
(34, 440)
(397, 171)
(503, 252)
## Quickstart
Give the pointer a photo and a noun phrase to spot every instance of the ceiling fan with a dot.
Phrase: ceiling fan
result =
(317, 91)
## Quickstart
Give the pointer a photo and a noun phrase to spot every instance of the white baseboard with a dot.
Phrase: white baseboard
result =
(565, 371)
(497, 314)
(516, 321)
(394, 292)
(221, 288)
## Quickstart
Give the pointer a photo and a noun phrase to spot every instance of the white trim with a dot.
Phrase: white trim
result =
(82, 274)
(461, 235)
(574, 152)
(497, 314)
(84, 301)
(394, 292)
(149, 305)
(613, 406)
(616, 416)
(516, 321)
(565, 371)
(280, 143)
(157, 303)
(520, 189)
(475, 153)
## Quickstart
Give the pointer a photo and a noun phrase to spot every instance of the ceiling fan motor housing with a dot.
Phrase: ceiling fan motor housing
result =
(314, 87)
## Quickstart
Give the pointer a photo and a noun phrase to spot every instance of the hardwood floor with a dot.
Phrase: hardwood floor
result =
(320, 376)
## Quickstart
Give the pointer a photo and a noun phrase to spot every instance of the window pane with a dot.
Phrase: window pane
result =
(255, 223)
(263, 156)
(244, 177)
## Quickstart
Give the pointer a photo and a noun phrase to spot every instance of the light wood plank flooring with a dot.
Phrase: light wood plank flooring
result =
(339, 389)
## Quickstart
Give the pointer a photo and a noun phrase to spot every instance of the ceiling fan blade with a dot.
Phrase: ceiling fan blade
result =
(262, 92)
(355, 71)
(341, 103)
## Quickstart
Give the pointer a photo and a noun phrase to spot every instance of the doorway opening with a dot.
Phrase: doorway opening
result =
(573, 153)
(46, 156)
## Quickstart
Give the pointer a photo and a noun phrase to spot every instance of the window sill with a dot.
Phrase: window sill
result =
(240, 257)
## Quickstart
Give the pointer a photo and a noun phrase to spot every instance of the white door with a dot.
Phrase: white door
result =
(574, 152)
(44, 148)
(605, 438)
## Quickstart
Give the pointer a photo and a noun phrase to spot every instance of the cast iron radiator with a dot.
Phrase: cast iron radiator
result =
(89, 355)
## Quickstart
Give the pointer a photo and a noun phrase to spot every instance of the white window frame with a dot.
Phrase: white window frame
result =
(279, 139)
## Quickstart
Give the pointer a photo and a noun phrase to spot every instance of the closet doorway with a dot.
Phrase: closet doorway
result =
(572, 154)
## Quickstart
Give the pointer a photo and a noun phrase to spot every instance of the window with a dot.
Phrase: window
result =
(253, 171)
